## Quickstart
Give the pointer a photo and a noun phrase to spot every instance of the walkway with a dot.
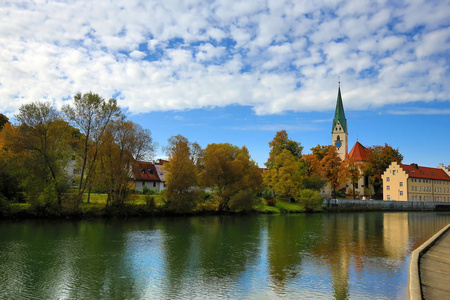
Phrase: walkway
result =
(434, 268)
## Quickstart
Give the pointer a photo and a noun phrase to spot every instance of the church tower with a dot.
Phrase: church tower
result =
(339, 133)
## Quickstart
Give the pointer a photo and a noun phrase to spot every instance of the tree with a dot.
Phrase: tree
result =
(196, 152)
(123, 144)
(182, 190)
(285, 176)
(3, 120)
(281, 142)
(44, 137)
(331, 169)
(91, 114)
(354, 172)
(312, 178)
(320, 151)
(379, 158)
(232, 176)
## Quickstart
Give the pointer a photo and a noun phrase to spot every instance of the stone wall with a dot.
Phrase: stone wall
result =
(350, 205)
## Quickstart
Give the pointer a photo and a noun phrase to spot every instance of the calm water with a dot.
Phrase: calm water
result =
(318, 256)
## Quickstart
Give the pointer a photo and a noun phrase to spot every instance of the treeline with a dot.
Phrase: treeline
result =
(92, 135)
(300, 177)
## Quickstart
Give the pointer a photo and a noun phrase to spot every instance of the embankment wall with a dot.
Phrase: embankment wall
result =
(351, 205)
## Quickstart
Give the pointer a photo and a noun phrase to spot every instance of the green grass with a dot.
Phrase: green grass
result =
(285, 206)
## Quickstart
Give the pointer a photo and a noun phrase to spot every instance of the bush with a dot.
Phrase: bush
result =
(309, 199)
(4, 205)
(267, 194)
(271, 202)
(150, 203)
(149, 191)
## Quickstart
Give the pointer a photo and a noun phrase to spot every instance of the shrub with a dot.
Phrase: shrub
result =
(309, 199)
(149, 191)
(267, 194)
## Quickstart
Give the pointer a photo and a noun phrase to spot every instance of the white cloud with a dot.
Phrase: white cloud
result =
(271, 55)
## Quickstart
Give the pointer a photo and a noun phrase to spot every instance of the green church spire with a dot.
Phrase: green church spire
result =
(339, 115)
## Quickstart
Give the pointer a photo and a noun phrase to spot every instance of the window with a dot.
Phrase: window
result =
(387, 179)
(154, 184)
(388, 197)
(388, 188)
(401, 193)
(393, 172)
(401, 183)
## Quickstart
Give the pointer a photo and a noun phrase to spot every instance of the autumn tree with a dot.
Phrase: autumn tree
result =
(91, 114)
(312, 177)
(320, 151)
(232, 176)
(123, 144)
(354, 172)
(44, 137)
(182, 192)
(285, 176)
(379, 158)
(332, 169)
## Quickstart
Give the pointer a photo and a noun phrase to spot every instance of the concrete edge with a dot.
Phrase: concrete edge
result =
(414, 286)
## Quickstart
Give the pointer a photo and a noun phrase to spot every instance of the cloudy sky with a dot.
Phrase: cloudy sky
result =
(238, 71)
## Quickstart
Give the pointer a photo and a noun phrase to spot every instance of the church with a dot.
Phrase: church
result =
(339, 138)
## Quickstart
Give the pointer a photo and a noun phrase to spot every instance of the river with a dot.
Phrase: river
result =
(301, 256)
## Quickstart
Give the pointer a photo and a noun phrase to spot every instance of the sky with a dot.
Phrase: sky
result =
(239, 71)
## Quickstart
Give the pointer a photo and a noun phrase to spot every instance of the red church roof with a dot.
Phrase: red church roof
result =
(358, 152)
(416, 171)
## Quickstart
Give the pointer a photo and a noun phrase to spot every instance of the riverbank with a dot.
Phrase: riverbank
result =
(98, 209)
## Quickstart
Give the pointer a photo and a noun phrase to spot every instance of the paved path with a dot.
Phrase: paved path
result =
(434, 269)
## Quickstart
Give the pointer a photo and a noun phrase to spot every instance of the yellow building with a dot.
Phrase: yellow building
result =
(416, 183)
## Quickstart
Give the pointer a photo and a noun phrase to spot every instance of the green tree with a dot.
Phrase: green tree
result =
(379, 158)
(3, 120)
(232, 176)
(44, 137)
(285, 176)
(182, 191)
(91, 114)
(281, 142)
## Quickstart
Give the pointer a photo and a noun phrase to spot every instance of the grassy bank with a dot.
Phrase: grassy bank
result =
(139, 206)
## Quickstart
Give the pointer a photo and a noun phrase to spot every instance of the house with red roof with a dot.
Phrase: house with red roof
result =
(412, 182)
(150, 175)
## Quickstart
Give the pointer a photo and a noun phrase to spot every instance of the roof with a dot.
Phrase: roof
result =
(415, 171)
(146, 171)
(339, 114)
(358, 152)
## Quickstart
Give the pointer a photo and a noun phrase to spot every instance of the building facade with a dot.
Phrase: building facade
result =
(403, 182)
(150, 175)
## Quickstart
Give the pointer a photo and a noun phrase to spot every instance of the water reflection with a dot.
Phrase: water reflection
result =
(341, 256)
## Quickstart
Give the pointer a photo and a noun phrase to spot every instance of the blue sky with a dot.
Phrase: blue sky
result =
(238, 71)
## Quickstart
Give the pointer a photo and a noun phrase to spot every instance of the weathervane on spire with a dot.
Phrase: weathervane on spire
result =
(339, 81)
